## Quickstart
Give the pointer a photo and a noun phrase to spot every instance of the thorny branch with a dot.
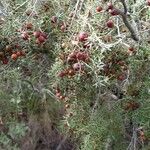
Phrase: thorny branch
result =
(125, 6)
(123, 14)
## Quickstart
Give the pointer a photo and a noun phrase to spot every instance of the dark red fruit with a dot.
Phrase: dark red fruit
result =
(114, 12)
(41, 39)
(72, 57)
(83, 36)
(44, 35)
(36, 34)
(110, 24)
(14, 56)
(99, 9)
(82, 56)
(18, 53)
(148, 2)
(5, 61)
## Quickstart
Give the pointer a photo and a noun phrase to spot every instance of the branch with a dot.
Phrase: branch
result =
(61, 143)
(126, 22)
(125, 6)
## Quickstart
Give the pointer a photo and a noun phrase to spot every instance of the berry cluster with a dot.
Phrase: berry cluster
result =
(11, 51)
(27, 33)
(75, 61)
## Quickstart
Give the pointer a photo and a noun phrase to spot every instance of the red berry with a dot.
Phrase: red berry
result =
(110, 24)
(80, 56)
(14, 56)
(37, 34)
(148, 2)
(41, 39)
(99, 9)
(44, 35)
(19, 53)
(83, 36)
(5, 61)
(114, 12)
(72, 57)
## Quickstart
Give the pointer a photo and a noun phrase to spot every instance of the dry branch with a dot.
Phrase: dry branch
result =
(124, 16)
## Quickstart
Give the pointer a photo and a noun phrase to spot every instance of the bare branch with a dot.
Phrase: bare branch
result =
(127, 24)
(125, 6)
